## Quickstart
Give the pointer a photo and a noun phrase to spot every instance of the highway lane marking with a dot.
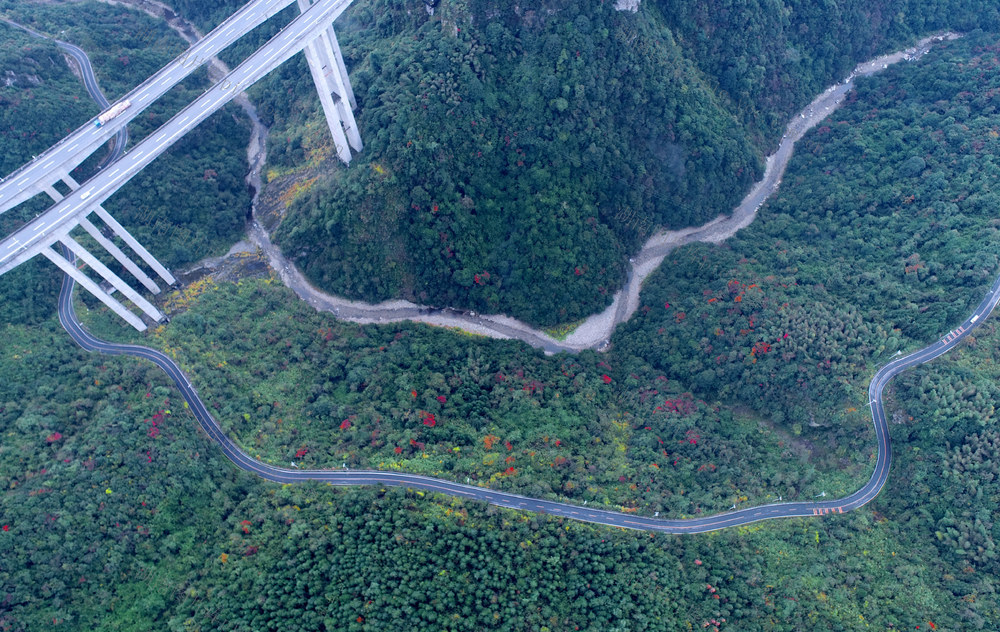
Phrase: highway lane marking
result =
(179, 131)
(166, 80)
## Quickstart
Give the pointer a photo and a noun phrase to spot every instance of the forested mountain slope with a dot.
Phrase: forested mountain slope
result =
(515, 155)
(119, 514)
(766, 58)
(838, 277)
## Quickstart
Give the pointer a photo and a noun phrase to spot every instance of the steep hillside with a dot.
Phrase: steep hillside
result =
(511, 164)
(515, 156)
(766, 58)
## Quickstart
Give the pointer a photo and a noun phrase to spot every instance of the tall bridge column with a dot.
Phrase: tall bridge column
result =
(95, 264)
(108, 245)
(112, 278)
(117, 253)
(127, 237)
(134, 244)
(326, 64)
(93, 288)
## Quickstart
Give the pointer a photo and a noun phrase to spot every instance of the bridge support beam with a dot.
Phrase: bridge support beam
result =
(112, 278)
(326, 64)
(93, 288)
(134, 244)
(120, 256)
(127, 237)
(108, 245)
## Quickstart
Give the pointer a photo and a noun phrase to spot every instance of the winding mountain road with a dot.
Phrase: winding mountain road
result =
(244, 461)
(515, 501)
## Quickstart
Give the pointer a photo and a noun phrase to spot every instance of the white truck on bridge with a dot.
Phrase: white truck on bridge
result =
(117, 109)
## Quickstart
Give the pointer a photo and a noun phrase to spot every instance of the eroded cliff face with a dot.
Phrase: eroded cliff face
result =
(11, 78)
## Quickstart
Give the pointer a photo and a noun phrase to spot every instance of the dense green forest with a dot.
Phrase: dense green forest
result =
(878, 240)
(119, 514)
(505, 145)
(767, 58)
(737, 380)
(789, 320)
(291, 385)
(499, 153)
(122, 515)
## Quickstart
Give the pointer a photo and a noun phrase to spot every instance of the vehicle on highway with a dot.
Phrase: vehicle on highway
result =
(116, 110)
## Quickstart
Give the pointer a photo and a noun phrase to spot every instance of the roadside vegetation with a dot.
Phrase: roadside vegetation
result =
(742, 377)
(784, 323)
(421, 399)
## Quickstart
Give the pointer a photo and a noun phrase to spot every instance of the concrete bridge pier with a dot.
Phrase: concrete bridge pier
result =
(108, 245)
(134, 244)
(95, 264)
(127, 237)
(112, 278)
(93, 288)
(326, 64)
(120, 256)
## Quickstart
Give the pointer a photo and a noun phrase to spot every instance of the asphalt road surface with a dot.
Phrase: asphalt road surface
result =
(63, 216)
(514, 501)
(89, 81)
